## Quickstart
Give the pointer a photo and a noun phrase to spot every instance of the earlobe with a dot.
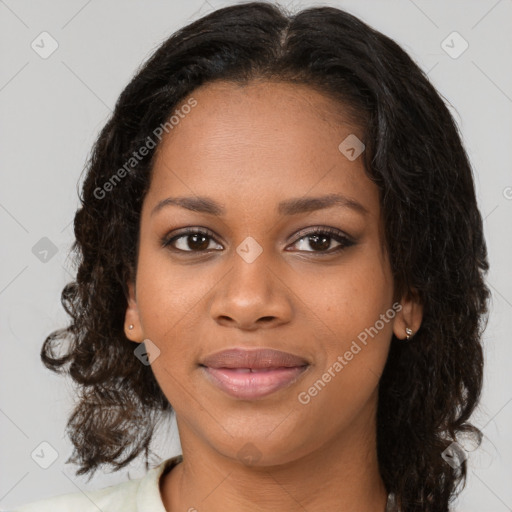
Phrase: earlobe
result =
(132, 325)
(408, 320)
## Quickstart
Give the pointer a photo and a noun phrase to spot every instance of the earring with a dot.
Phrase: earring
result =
(409, 333)
(130, 326)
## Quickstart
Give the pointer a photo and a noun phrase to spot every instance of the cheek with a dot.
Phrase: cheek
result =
(169, 298)
(354, 311)
(353, 297)
(356, 344)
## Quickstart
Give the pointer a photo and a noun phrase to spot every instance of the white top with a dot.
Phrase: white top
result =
(140, 495)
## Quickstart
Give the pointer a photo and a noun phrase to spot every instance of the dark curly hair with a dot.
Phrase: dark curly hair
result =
(433, 229)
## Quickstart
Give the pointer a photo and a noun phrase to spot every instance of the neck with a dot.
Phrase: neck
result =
(341, 475)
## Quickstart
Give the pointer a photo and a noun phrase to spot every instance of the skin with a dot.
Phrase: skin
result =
(248, 148)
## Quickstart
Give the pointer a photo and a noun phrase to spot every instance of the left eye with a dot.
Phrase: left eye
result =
(319, 239)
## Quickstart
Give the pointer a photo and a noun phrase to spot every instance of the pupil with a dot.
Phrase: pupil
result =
(200, 246)
(324, 245)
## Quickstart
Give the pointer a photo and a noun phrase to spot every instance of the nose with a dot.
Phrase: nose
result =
(251, 296)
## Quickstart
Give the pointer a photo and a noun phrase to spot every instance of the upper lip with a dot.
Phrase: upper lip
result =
(254, 358)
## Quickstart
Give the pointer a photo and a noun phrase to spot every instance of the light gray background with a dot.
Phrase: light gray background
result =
(52, 109)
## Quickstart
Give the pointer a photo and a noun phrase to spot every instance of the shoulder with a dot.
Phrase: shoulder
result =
(130, 496)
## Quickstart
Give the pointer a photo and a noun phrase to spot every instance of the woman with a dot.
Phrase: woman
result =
(279, 241)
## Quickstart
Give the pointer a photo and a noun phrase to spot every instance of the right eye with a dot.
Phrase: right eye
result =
(190, 240)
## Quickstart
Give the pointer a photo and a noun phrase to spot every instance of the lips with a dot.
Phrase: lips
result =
(250, 374)
(253, 359)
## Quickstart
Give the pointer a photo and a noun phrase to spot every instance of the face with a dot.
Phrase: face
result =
(263, 272)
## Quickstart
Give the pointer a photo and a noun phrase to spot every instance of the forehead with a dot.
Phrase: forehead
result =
(275, 111)
(264, 140)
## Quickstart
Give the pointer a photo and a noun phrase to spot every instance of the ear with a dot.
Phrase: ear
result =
(409, 316)
(132, 316)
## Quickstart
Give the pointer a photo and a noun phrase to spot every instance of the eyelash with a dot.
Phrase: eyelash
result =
(333, 233)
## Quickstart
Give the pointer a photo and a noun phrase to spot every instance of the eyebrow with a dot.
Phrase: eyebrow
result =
(292, 206)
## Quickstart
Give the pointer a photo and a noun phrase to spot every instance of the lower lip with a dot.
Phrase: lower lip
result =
(252, 385)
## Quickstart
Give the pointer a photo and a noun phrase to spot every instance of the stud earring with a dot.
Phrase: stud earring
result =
(130, 327)
(409, 333)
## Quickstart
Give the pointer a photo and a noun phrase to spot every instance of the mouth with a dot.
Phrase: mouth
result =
(251, 374)
(249, 384)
